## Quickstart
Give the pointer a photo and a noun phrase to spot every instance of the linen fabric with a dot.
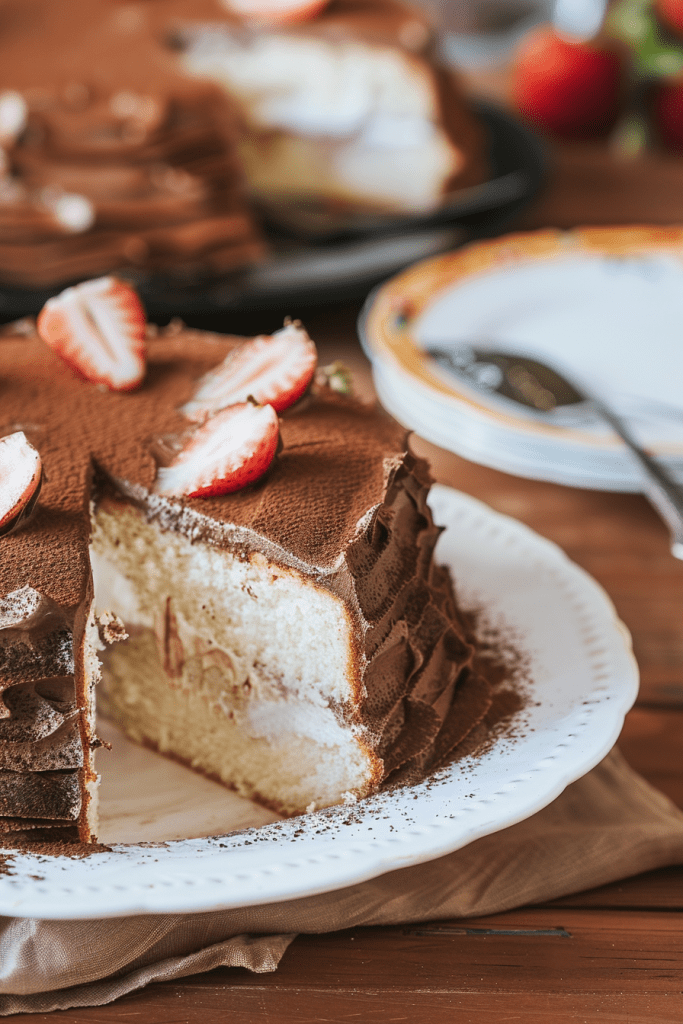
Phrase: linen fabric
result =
(604, 827)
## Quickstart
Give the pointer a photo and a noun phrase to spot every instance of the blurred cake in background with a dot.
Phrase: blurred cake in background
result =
(139, 134)
(112, 156)
(344, 111)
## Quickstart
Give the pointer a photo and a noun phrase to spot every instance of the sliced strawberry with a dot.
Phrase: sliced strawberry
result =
(273, 370)
(98, 327)
(229, 451)
(21, 477)
(278, 12)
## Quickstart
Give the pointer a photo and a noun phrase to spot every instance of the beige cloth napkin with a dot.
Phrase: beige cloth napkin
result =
(606, 826)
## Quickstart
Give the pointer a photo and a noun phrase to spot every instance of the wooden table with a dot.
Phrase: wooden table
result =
(624, 959)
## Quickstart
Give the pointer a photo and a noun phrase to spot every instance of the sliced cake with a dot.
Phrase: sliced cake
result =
(111, 156)
(291, 637)
(348, 111)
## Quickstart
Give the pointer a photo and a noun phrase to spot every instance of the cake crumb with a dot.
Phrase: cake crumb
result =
(312, 807)
(110, 628)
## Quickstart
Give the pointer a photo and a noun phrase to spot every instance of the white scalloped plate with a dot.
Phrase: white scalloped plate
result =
(584, 681)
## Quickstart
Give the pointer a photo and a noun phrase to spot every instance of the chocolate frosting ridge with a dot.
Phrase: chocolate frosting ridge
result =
(39, 730)
(53, 795)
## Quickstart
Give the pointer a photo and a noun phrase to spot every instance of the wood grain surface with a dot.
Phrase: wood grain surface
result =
(611, 955)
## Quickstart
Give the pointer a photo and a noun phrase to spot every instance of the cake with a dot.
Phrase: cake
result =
(293, 638)
(138, 134)
(111, 156)
(347, 112)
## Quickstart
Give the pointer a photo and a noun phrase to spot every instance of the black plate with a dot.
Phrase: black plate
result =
(306, 270)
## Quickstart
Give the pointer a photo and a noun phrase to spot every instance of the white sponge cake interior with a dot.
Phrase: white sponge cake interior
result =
(239, 667)
(354, 121)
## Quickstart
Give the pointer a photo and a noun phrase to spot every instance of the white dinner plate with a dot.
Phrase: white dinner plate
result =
(604, 305)
(583, 680)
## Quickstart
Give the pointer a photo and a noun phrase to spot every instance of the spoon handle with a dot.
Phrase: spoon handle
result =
(661, 489)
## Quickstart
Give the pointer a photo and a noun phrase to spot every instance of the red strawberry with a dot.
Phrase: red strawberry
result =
(568, 88)
(98, 327)
(229, 451)
(278, 12)
(21, 476)
(273, 370)
(666, 107)
(670, 12)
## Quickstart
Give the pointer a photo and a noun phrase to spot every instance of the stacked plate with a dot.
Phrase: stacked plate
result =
(604, 306)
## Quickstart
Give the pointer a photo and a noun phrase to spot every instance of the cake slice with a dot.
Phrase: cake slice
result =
(346, 112)
(134, 135)
(301, 650)
(293, 639)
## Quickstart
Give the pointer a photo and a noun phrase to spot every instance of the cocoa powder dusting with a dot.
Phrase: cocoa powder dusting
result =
(502, 660)
(39, 843)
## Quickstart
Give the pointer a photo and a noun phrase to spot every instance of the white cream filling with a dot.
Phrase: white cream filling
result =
(277, 720)
(375, 111)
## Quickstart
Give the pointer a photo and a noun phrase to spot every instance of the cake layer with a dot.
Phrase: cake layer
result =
(235, 664)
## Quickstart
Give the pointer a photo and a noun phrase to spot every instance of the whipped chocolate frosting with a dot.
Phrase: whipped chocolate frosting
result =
(119, 160)
(344, 504)
(41, 750)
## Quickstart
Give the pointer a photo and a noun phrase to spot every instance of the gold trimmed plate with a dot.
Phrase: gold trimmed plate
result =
(604, 305)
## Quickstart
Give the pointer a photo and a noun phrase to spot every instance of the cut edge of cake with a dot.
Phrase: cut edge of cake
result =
(241, 678)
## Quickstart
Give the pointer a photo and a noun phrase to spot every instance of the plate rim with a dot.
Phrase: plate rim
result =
(383, 321)
(165, 886)
(559, 471)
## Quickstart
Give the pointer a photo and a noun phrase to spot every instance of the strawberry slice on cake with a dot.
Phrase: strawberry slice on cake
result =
(272, 369)
(98, 327)
(21, 477)
(231, 450)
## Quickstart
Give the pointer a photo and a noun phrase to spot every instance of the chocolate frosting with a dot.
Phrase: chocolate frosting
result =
(39, 726)
(112, 121)
(50, 795)
(344, 504)
(123, 160)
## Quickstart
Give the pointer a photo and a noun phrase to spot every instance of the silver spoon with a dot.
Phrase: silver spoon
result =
(537, 386)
